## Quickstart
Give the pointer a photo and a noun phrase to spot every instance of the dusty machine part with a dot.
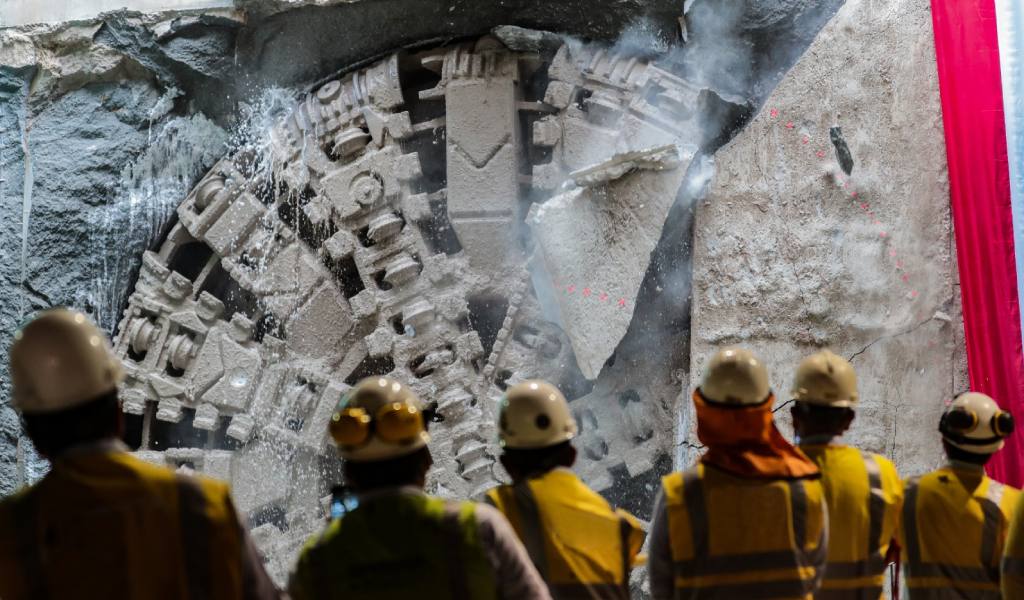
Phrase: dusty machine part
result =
(382, 230)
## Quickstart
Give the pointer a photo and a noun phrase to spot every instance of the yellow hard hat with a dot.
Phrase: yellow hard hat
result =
(735, 376)
(379, 419)
(61, 360)
(974, 423)
(825, 379)
(534, 414)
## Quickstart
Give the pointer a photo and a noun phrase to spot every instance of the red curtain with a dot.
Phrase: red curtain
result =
(966, 48)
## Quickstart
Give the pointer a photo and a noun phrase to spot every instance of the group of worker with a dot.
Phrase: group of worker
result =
(756, 517)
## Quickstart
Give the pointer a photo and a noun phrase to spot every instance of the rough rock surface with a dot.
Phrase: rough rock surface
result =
(791, 254)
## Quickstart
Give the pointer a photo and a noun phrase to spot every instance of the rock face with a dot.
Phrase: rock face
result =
(792, 254)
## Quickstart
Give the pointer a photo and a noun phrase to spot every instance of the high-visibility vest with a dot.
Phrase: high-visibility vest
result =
(107, 525)
(397, 546)
(864, 495)
(1012, 580)
(580, 545)
(953, 532)
(735, 537)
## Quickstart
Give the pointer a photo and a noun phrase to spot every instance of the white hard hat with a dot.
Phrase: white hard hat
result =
(379, 419)
(825, 379)
(975, 423)
(534, 414)
(60, 360)
(735, 376)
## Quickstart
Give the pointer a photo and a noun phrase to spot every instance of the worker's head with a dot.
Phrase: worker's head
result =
(735, 377)
(824, 395)
(974, 428)
(380, 428)
(65, 380)
(734, 401)
(536, 429)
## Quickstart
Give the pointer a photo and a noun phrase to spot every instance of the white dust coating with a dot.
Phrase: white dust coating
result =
(365, 234)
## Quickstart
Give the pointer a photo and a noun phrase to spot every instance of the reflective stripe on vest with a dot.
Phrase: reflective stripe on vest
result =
(782, 573)
(532, 534)
(842, 577)
(927, 578)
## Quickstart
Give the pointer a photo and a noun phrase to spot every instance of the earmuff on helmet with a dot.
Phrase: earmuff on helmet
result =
(959, 421)
(395, 423)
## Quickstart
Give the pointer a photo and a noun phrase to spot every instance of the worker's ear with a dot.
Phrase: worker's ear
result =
(794, 411)
(572, 455)
(850, 416)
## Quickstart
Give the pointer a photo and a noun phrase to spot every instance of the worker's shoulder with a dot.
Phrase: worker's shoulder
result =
(8, 511)
(1009, 494)
(887, 467)
(212, 489)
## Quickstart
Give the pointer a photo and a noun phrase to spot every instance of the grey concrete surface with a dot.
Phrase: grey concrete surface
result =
(791, 254)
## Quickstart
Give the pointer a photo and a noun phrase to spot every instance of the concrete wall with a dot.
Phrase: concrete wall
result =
(792, 254)
(25, 12)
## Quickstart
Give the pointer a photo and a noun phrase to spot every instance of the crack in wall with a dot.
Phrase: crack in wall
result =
(890, 336)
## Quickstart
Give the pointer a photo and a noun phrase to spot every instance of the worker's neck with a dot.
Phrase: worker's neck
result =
(101, 446)
(962, 465)
(381, 492)
(819, 439)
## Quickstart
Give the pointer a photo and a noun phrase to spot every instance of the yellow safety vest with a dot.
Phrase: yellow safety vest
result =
(395, 547)
(735, 537)
(1012, 582)
(864, 495)
(953, 531)
(107, 525)
(579, 544)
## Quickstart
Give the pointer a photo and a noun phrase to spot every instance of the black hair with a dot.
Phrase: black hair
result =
(411, 469)
(823, 419)
(522, 463)
(54, 433)
(961, 455)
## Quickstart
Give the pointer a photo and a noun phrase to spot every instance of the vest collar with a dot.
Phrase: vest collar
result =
(822, 439)
(107, 446)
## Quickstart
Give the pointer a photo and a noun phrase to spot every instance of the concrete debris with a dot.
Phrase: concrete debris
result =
(595, 244)
(654, 159)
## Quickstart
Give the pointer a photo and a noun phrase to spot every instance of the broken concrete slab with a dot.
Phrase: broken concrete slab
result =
(594, 243)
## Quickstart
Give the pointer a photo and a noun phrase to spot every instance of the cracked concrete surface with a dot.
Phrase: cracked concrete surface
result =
(787, 261)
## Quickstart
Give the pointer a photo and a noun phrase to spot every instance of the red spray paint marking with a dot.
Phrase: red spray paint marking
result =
(587, 292)
(854, 194)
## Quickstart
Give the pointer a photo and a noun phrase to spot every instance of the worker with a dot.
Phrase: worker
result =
(749, 520)
(102, 523)
(955, 520)
(395, 542)
(582, 547)
(863, 490)
(1012, 581)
